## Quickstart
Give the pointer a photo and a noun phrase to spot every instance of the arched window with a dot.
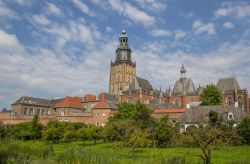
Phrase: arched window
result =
(229, 100)
(240, 102)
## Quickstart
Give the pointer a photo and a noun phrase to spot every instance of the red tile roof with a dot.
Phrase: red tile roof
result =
(70, 102)
(169, 110)
(89, 97)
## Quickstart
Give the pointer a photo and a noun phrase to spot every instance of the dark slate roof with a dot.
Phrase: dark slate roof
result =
(110, 98)
(36, 101)
(140, 83)
(200, 114)
(157, 104)
(229, 83)
(185, 85)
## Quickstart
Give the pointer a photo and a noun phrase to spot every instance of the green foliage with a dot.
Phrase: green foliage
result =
(119, 130)
(244, 129)
(36, 128)
(138, 139)
(211, 95)
(3, 131)
(164, 131)
(138, 112)
(12, 153)
(205, 137)
(213, 118)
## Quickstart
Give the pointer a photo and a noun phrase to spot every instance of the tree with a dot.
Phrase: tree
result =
(163, 131)
(119, 130)
(213, 118)
(211, 95)
(138, 139)
(3, 130)
(82, 134)
(244, 129)
(138, 112)
(36, 128)
(205, 137)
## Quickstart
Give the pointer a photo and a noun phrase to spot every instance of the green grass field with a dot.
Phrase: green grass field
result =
(79, 152)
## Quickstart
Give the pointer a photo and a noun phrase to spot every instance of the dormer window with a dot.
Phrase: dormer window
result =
(230, 116)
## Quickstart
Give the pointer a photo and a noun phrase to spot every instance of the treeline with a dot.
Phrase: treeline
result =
(133, 124)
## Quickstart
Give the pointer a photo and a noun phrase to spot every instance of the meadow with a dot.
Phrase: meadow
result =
(100, 153)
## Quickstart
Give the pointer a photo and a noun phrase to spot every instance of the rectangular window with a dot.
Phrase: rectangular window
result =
(25, 112)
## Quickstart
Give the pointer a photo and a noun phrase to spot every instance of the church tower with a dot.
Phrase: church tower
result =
(122, 70)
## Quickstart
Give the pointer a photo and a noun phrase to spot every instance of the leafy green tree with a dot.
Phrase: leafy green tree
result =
(211, 95)
(164, 131)
(69, 135)
(36, 128)
(138, 112)
(93, 133)
(142, 116)
(82, 134)
(125, 111)
(119, 130)
(213, 118)
(138, 139)
(54, 131)
(3, 130)
(244, 129)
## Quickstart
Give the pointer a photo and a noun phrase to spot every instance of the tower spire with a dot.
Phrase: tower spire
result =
(183, 72)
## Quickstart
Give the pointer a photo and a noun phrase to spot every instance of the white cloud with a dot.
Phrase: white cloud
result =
(237, 10)
(163, 68)
(160, 33)
(179, 34)
(228, 25)
(83, 7)
(132, 12)
(72, 32)
(108, 29)
(199, 27)
(8, 41)
(24, 2)
(5, 12)
(53, 9)
(52, 73)
(41, 20)
(152, 5)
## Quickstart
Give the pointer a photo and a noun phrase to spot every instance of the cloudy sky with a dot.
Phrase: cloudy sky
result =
(64, 47)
